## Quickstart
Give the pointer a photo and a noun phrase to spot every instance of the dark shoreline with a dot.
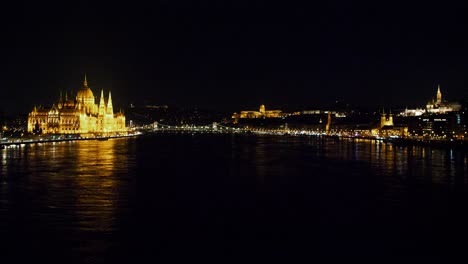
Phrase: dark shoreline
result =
(459, 144)
(18, 141)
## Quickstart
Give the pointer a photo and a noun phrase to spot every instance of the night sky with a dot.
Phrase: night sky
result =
(235, 55)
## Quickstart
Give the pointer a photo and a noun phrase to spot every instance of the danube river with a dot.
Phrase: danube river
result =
(230, 196)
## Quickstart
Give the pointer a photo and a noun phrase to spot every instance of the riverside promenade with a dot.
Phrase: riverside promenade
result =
(17, 141)
(459, 144)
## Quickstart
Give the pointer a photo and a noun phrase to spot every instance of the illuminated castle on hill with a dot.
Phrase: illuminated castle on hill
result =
(80, 115)
(261, 113)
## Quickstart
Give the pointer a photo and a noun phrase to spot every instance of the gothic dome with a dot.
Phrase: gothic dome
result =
(85, 93)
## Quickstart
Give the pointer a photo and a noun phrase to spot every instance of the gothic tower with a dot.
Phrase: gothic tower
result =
(383, 118)
(262, 109)
(60, 102)
(390, 119)
(439, 95)
(386, 121)
(102, 105)
(327, 127)
(110, 110)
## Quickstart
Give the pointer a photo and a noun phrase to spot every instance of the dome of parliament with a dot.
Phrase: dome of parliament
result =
(85, 92)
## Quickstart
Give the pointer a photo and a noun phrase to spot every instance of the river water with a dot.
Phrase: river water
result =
(229, 196)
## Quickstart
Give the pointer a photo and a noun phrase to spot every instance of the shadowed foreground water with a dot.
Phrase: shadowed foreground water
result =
(225, 197)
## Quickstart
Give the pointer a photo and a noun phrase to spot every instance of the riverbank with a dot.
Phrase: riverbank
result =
(58, 138)
(429, 143)
(459, 144)
(462, 144)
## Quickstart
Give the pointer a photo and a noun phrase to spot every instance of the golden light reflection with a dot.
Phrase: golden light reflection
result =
(3, 182)
(422, 163)
(4, 161)
(81, 185)
(98, 169)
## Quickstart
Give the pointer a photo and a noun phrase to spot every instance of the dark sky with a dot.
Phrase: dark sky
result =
(235, 54)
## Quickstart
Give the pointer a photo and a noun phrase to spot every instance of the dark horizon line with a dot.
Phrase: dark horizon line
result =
(284, 107)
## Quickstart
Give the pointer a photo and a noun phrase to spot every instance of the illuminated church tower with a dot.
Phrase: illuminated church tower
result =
(386, 121)
(327, 126)
(110, 109)
(102, 105)
(262, 109)
(439, 95)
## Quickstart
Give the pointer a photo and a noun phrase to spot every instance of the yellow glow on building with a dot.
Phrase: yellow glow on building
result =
(327, 126)
(386, 121)
(80, 115)
(261, 113)
(439, 106)
(388, 129)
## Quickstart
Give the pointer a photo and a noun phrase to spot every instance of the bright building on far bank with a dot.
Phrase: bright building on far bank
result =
(435, 106)
(78, 115)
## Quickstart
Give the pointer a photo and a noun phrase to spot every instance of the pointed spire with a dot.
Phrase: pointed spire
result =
(102, 105)
(101, 101)
(109, 100)
(110, 109)
(85, 82)
(60, 101)
(439, 94)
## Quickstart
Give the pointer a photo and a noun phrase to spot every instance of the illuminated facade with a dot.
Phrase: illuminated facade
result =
(386, 120)
(435, 106)
(413, 112)
(261, 113)
(439, 106)
(80, 115)
(388, 129)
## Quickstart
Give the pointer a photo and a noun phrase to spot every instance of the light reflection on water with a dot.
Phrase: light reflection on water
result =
(81, 190)
(65, 187)
(399, 171)
(441, 165)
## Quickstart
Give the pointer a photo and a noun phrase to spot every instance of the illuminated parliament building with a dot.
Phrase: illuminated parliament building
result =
(79, 115)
